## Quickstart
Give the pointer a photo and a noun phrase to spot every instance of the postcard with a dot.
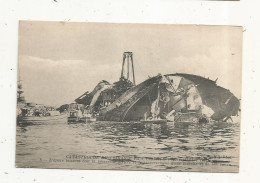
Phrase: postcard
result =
(118, 96)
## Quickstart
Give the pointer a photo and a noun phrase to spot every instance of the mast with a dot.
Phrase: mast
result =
(128, 58)
(20, 98)
(157, 101)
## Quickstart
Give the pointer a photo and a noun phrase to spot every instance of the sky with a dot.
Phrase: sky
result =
(59, 61)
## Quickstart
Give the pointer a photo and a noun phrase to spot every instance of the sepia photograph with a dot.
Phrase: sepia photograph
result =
(117, 96)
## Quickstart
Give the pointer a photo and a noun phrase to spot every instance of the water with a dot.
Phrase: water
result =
(210, 147)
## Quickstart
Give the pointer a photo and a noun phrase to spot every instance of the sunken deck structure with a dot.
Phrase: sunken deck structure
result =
(174, 97)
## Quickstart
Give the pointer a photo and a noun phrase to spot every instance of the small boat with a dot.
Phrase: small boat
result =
(29, 119)
(76, 116)
(154, 121)
(91, 119)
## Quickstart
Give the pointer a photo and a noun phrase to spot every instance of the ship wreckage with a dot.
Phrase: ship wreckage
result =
(172, 97)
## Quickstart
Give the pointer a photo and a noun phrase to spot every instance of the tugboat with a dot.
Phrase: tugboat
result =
(76, 116)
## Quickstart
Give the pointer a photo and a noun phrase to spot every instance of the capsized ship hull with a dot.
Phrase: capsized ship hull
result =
(120, 109)
(172, 97)
(186, 97)
(220, 100)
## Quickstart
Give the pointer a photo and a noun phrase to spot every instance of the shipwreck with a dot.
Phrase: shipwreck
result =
(175, 97)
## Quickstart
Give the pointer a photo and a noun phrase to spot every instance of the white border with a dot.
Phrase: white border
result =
(244, 13)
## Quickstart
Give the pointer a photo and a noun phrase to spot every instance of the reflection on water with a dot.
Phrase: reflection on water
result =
(145, 146)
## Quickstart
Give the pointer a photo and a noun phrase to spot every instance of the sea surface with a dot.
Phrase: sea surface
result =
(212, 147)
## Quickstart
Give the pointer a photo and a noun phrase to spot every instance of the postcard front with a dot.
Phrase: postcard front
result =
(128, 96)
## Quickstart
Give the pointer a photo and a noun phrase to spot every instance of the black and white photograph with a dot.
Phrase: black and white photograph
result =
(128, 96)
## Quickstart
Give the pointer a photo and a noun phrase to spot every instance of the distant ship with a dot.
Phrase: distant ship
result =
(32, 112)
(176, 97)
